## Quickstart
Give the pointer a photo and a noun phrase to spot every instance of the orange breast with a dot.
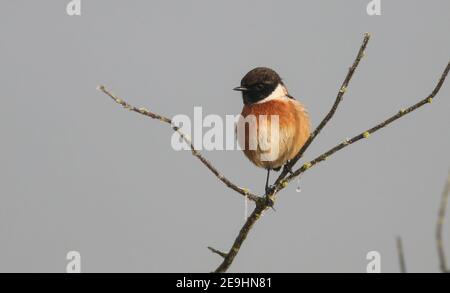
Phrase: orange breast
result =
(273, 151)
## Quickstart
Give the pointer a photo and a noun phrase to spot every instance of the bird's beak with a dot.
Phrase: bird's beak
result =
(240, 89)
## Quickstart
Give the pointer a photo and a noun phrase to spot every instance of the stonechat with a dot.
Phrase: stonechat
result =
(265, 95)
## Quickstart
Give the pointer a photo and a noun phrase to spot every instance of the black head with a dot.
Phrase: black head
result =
(258, 84)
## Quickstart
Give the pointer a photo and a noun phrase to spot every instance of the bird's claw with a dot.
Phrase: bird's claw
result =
(288, 169)
(270, 189)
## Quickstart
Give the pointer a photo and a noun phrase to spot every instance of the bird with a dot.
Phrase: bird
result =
(265, 95)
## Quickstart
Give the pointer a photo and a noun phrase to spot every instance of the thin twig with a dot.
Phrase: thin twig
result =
(368, 132)
(440, 226)
(327, 118)
(146, 112)
(222, 254)
(401, 255)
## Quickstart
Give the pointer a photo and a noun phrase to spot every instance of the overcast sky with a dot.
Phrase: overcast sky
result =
(80, 173)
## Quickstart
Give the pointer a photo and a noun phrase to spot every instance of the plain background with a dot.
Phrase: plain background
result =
(77, 172)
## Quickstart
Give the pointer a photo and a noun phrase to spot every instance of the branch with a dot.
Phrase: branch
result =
(401, 255)
(281, 182)
(368, 132)
(145, 112)
(440, 225)
(263, 203)
(261, 206)
(327, 118)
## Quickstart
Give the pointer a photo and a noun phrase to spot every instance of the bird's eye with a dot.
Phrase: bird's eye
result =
(260, 86)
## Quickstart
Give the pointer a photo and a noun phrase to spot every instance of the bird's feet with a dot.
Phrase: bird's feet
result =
(288, 169)
(270, 189)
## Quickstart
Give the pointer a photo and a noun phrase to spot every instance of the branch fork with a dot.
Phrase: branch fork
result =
(266, 201)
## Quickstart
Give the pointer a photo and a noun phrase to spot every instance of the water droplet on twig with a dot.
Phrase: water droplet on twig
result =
(299, 188)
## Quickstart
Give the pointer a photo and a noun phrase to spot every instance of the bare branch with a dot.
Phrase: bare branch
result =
(440, 226)
(368, 132)
(327, 118)
(146, 112)
(401, 255)
(263, 203)
(251, 220)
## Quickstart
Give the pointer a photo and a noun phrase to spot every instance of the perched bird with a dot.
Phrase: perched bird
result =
(264, 93)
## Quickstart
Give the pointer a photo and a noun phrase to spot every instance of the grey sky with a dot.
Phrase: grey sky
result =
(80, 173)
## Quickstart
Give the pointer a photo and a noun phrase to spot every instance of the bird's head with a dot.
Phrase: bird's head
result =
(258, 84)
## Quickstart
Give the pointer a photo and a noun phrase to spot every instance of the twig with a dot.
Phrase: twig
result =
(327, 118)
(368, 132)
(401, 255)
(146, 112)
(222, 254)
(440, 226)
